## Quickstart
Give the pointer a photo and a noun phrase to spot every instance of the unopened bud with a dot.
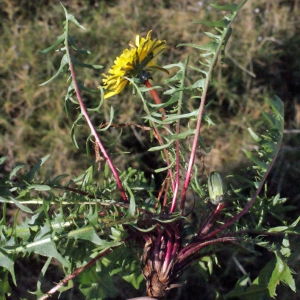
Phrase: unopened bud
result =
(217, 187)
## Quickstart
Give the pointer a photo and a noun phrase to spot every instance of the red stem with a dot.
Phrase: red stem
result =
(160, 140)
(209, 222)
(194, 146)
(187, 254)
(76, 273)
(93, 130)
(155, 98)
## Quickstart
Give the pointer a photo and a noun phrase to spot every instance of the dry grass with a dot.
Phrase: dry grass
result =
(261, 62)
(33, 121)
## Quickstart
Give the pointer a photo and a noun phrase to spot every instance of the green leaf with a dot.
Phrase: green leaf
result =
(239, 288)
(269, 277)
(76, 62)
(73, 136)
(257, 162)
(221, 23)
(38, 291)
(254, 135)
(229, 7)
(281, 273)
(58, 41)
(97, 283)
(71, 18)
(4, 284)
(144, 229)
(158, 148)
(30, 175)
(63, 63)
(287, 229)
(47, 247)
(16, 169)
(131, 209)
(212, 46)
(39, 187)
(165, 168)
(2, 159)
(214, 37)
(181, 136)
(44, 245)
(7, 261)
(89, 233)
(277, 120)
(17, 203)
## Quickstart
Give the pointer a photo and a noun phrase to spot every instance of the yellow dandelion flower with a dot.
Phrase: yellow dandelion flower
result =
(132, 63)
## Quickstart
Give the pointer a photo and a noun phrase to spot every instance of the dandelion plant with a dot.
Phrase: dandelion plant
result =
(115, 221)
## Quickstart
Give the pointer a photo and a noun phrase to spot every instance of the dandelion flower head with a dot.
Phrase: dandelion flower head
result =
(132, 62)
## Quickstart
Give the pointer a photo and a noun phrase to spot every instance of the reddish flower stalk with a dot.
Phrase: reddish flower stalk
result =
(160, 140)
(93, 130)
(155, 98)
(175, 185)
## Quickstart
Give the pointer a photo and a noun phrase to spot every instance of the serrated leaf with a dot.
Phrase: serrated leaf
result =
(38, 291)
(88, 233)
(46, 247)
(97, 285)
(282, 273)
(7, 261)
(259, 287)
(135, 278)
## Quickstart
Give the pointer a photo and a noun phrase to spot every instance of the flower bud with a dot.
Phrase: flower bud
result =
(216, 187)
